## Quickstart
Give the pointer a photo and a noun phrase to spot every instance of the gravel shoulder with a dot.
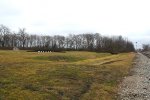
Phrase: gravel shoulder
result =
(136, 86)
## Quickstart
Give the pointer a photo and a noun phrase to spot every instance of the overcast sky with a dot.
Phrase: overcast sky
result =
(129, 18)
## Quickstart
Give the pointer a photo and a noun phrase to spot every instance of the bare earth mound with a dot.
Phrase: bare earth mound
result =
(137, 85)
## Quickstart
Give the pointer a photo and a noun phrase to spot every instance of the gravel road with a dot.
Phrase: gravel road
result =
(137, 85)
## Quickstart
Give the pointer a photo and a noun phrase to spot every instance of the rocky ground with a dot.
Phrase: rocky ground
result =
(136, 86)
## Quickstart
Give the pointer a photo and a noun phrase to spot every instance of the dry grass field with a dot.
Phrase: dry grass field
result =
(70, 75)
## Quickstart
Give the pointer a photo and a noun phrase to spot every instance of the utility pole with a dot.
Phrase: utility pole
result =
(136, 46)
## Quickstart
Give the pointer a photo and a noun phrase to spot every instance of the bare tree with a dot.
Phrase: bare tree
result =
(23, 36)
(4, 35)
(146, 47)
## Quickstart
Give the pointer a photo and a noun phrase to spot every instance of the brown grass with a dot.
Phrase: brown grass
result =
(69, 76)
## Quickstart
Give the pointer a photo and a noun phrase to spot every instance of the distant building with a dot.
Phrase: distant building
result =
(15, 48)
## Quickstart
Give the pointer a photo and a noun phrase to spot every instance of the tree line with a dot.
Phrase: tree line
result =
(146, 47)
(86, 42)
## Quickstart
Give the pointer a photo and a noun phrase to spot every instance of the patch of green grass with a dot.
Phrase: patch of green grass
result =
(41, 58)
(65, 58)
(62, 58)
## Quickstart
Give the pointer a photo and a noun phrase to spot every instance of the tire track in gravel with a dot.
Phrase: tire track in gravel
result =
(137, 85)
